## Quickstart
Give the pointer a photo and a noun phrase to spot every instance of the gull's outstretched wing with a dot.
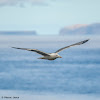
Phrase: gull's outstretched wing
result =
(82, 42)
(34, 50)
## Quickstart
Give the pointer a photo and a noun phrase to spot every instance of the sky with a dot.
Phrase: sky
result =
(47, 17)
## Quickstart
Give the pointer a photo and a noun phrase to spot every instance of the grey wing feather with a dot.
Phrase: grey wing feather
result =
(82, 42)
(34, 50)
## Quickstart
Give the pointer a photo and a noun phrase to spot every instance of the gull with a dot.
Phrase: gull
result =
(52, 56)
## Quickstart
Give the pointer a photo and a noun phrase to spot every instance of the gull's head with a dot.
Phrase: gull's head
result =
(58, 56)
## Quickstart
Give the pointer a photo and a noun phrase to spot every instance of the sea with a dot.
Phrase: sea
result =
(75, 76)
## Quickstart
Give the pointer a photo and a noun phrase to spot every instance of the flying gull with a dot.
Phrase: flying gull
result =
(51, 56)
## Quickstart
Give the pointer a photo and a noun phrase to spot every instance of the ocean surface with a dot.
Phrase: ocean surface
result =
(77, 72)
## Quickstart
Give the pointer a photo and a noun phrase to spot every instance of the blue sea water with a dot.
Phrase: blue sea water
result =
(78, 72)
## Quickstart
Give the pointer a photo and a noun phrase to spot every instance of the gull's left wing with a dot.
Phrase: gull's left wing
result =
(79, 43)
(34, 50)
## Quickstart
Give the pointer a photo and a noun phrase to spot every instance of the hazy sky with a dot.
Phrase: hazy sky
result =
(47, 16)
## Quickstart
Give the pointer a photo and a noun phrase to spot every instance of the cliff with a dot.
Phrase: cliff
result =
(80, 29)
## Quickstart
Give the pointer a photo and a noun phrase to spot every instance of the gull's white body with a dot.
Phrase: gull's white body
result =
(51, 56)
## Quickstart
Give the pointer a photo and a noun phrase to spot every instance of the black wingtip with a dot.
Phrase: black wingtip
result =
(85, 41)
(15, 47)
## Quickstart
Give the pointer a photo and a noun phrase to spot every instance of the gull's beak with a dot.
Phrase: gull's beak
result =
(60, 57)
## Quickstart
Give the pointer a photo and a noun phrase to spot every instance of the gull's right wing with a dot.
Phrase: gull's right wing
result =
(79, 43)
(34, 50)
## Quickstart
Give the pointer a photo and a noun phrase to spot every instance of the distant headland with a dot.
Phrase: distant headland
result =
(18, 33)
(81, 29)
